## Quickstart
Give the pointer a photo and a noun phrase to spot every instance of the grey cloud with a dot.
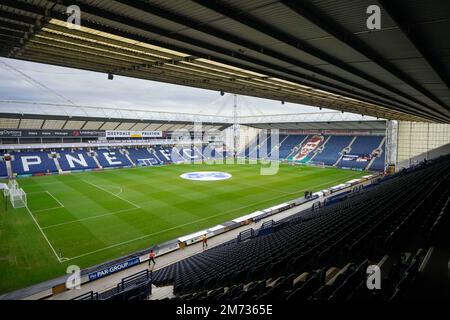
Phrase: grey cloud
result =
(91, 88)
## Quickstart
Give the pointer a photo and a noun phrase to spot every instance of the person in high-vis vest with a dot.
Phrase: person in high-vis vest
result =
(151, 260)
(205, 242)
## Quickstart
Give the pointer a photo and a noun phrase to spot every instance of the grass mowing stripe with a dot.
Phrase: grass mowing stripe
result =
(115, 195)
(88, 218)
(62, 206)
(47, 209)
(131, 209)
(189, 223)
(92, 218)
(43, 233)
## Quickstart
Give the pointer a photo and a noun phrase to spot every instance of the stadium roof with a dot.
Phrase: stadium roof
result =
(318, 53)
(51, 116)
(56, 116)
(378, 126)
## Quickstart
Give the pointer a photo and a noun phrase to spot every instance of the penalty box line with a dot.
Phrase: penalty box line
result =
(107, 191)
(51, 195)
(60, 259)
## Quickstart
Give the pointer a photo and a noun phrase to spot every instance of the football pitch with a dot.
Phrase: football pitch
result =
(88, 218)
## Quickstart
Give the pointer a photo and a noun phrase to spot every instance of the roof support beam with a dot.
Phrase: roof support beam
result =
(296, 43)
(13, 26)
(39, 22)
(17, 18)
(413, 33)
(314, 82)
(308, 12)
(108, 21)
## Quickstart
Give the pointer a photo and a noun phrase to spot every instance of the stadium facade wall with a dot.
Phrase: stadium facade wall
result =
(431, 154)
(419, 138)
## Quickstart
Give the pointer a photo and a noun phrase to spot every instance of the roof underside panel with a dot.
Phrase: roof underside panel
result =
(317, 52)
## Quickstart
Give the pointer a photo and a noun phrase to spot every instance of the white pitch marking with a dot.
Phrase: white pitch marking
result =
(45, 236)
(115, 195)
(88, 218)
(59, 202)
(47, 209)
(182, 225)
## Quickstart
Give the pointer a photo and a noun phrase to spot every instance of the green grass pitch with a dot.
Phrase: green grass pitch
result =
(92, 217)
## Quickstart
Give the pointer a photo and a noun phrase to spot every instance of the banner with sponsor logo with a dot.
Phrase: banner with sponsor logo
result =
(334, 132)
(357, 158)
(50, 133)
(115, 268)
(133, 134)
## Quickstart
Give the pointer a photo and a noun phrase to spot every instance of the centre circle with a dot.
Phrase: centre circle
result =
(206, 176)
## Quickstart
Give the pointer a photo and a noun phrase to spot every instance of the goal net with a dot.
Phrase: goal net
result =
(320, 164)
(16, 195)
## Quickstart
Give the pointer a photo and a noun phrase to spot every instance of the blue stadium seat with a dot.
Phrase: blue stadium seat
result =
(3, 171)
(76, 160)
(361, 148)
(311, 241)
(330, 153)
(164, 154)
(142, 157)
(287, 143)
(112, 158)
(190, 154)
(32, 162)
(379, 163)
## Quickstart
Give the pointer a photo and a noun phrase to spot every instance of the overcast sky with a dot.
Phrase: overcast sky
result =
(91, 88)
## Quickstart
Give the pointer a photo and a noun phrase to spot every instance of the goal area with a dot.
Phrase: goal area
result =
(16, 195)
(319, 164)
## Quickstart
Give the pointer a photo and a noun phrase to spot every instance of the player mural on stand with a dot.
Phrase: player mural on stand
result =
(309, 146)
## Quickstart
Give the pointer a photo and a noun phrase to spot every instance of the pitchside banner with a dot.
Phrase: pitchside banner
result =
(334, 132)
(133, 134)
(5, 133)
(357, 158)
(113, 269)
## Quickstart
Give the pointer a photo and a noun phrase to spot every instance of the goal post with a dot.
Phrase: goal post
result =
(17, 196)
(319, 164)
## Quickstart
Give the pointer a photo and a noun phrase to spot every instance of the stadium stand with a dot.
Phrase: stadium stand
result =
(328, 151)
(112, 158)
(379, 162)
(308, 148)
(360, 152)
(265, 148)
(251, 151)
(331, 153)
(163, 154)
(295, 261)
(3, 171)
(142, 157)
(134, 287)
(34, 162)
(76, 160)
(288, 143)
(209, 152)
